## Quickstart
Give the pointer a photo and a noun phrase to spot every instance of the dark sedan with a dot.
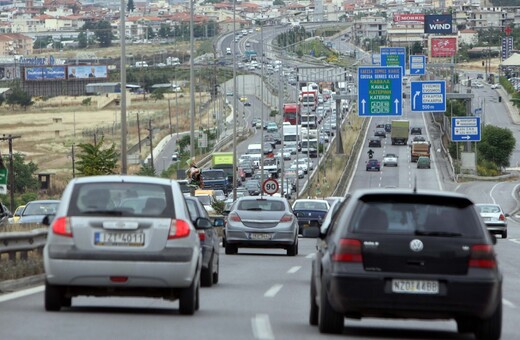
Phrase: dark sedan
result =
(407, 253)
(310, 212)
(209, 242)
(374, 142)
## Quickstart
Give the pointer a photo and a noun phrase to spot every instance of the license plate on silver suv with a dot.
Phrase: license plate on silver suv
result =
(121, 239)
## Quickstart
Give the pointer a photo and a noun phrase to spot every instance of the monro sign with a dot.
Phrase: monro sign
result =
(438, 24)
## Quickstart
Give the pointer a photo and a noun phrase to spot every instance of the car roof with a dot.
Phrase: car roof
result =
(402, 191)
(123, 178)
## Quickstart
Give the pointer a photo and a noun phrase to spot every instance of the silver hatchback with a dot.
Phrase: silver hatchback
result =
(122, 236)
(261, 222)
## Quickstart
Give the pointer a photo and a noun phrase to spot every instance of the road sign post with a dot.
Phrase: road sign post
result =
(417, 65)
(270, 186)
(379, 91)
(428, 96)
(465, 129)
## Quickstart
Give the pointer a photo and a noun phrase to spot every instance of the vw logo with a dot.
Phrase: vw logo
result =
(416, 245)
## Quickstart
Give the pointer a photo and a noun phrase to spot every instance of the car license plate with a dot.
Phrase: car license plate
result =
(260, 236)
(119, 239)
(415, 286)
(487, 218)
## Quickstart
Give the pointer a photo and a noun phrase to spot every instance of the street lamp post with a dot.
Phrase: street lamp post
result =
(122, 35)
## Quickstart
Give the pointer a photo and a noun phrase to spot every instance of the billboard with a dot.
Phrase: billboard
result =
(87, 72)
(408, 18)
(8, 72)
(443, 46)
(45, 73)
(438, 24)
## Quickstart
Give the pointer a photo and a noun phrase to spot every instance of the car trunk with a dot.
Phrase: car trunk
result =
(258, 219)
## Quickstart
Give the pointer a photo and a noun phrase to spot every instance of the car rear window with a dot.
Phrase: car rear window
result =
(213, 174)
(261, 205)
(122, 199)
(310, 206)
(428, 215)
(488, 209)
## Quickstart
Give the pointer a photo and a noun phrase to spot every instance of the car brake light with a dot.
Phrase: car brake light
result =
(349, 250)
(178, 229)
(286, 218)
(61, 226)
(119, 279)
(502, 217)
(234, 217)
(482, 256)
(202, 235)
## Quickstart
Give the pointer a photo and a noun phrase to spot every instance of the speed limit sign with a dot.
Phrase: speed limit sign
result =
(270, 186)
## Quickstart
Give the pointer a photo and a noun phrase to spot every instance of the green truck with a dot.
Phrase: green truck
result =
(224, 161)
(399, 134)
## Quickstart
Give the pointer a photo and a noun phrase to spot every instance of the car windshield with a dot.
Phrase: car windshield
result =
(122, 199)
(204, 199)
(310, 205)
(212, 174)
(406, 216)
(261, 205)
(40, 209)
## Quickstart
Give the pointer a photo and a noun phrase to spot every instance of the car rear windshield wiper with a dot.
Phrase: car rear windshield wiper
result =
(104, 212)
(437, 233)
(254, 209)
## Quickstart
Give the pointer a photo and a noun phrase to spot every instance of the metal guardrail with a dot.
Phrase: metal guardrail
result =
(22, 242)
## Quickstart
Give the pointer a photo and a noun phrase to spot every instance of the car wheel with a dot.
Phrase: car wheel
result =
(314, 310)
(329, 321)
(53, 297)
(504, 234)
(206, 274)
(216, 273)
(491, 328)
(231, 250)
(188, 299)
(293, 248)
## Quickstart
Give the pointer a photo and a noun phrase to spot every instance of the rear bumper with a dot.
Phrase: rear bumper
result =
(371, 296)
(496, 228)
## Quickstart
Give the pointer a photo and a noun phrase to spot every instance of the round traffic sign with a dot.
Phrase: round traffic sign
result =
(270, 186)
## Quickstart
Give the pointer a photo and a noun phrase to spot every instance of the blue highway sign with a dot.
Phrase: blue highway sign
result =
(465, 129)
(393, 56)
(380, 90)
(417, 65)
(428, 96)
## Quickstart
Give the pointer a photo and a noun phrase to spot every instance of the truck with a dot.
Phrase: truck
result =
(399, 134)
(224, 161)
(418, 149)
(272, 165)
(215, 179)
(309, 100)
(291, 113)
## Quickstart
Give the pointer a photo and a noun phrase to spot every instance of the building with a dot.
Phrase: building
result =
(15, 44)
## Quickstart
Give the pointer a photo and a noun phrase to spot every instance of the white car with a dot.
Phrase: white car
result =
(286, 154)
(303, 160)
(495, 86)
(293, 168)
(302, 166)
(390, 159)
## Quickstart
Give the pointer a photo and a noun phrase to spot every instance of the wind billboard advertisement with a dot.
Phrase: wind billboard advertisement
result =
(438, 24)
(87, 72)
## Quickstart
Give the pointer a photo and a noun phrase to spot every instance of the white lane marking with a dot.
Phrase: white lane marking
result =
(508, 303)
(491, 193)
(294, 269)
(514, 197)
(310, 256)
(515, 240)
(21, 293)
(262, 327)
(271, 292)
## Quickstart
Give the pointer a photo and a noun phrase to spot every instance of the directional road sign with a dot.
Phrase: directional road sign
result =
(394, 56)
(417, 65)
(376, 59)
(270, 186)
(380, 90)
(465, 129)
(428, 96)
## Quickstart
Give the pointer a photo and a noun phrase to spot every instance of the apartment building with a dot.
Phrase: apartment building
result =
(15, 44)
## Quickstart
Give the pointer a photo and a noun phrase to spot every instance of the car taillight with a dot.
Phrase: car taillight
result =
(482, 256)
(61, 226)
(502, 217)
(202, 235)
(234, 217)
(286, 218)
(178, 229)
(348, 250)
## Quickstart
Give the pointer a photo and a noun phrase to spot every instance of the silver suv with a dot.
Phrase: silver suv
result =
(122, 236)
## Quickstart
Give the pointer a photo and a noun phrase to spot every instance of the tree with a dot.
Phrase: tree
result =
(497, 145)
(82, 40)
(157, 94)
(104, 33)
(417, 48)
(278, 3)
(130, 7)
(19, 97)
(150, 33)
(24, 174)
(146, 170)
(93, 160)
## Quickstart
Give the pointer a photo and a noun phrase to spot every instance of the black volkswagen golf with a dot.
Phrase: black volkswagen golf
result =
(401, 253)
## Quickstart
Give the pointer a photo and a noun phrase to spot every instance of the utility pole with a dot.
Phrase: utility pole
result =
(73, 162)
(9, 139)
(151, 144)
(170, 115)
(138, 133)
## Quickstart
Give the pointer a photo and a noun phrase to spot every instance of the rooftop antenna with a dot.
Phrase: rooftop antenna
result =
(415, 184)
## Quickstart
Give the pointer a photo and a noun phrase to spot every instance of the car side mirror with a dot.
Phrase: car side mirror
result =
(218, 222)
(203, 223)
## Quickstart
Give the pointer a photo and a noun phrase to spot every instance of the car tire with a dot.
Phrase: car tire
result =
(293, 249)
(53, 297)
(329, 321)
(216, 273)
(231, 250)
(504, 234)
(206, 274)
(314, 310)
(490, 328)
(188, 299)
